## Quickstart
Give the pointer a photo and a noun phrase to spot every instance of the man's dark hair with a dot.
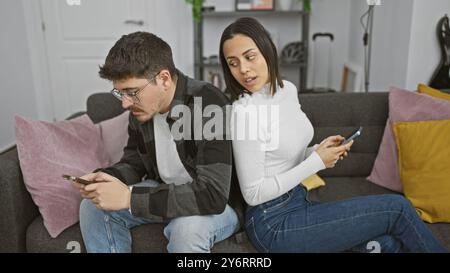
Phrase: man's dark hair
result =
(254, 30)
(140, 55)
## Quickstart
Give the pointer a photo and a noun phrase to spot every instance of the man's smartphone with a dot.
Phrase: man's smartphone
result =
(77, 179)
(351, 137)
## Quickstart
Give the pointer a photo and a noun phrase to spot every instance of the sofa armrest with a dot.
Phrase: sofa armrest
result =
(17, 209)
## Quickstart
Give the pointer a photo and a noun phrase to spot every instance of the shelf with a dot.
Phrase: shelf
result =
(251, 13)
(200, 67)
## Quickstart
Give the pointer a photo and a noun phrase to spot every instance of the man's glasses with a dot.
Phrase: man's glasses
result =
(131, 95)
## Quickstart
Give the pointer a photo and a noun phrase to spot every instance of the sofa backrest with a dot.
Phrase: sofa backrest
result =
(342, 113)
(330, 114)
(103, 106)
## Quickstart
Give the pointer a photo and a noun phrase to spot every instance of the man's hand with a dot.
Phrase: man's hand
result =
(330, 150)
(108, 193)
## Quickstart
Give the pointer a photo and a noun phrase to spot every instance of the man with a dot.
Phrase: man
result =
(187, 180)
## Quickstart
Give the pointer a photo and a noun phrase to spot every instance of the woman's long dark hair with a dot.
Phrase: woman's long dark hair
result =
(251, 28)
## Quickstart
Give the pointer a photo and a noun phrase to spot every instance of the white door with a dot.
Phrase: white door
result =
(79, 34)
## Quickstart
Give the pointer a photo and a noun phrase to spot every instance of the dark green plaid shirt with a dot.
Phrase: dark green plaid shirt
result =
(208, 162)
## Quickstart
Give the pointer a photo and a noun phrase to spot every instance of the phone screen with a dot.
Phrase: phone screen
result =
(354, 135)
(76, 179)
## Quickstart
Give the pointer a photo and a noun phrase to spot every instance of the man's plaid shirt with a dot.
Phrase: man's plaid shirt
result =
(208, 162)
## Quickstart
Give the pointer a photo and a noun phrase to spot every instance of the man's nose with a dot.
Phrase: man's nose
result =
(126, 103)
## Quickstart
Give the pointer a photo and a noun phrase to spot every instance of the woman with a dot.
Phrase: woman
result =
(271, 164)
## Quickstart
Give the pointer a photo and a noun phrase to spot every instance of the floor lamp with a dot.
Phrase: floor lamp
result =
(367, 41)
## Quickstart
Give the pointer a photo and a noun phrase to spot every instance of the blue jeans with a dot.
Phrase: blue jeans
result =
(291, 223)
(109, 231)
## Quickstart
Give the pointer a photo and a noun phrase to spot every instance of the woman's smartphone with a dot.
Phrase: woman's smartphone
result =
(351, 137)
(77, 179)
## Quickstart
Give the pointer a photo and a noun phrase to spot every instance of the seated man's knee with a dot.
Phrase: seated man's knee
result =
(188, 234)
(88, 210)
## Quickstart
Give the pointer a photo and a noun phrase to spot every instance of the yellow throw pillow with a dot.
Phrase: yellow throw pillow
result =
(422, 88)
(424, 163)
(313, 182)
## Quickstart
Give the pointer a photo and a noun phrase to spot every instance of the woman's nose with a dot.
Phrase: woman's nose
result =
(244, 68)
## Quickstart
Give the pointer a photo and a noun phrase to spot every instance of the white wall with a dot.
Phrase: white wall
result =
(392, 28)
(424, 52)
(328, 16)
(405, 49)
(177, 13)
(390, 42)
(17, 96)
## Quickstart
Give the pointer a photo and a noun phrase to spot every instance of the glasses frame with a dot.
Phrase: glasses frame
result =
(131, 95)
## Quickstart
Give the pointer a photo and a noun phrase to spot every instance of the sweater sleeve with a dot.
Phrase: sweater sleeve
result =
(250, 158)
(310, 150)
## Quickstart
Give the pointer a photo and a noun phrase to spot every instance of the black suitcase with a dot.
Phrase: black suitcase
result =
(316, 70)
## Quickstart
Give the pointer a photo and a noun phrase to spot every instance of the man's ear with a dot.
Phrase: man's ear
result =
(166, 78)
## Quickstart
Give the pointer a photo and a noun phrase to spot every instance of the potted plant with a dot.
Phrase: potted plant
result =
(196, 9)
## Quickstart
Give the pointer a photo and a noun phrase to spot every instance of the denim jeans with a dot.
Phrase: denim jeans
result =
(109, 231)
(291, 223)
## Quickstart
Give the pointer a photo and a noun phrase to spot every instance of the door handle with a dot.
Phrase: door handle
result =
(134, 22)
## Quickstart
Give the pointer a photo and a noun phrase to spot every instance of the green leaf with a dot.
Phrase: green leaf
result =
(196, 9)
(307, 5)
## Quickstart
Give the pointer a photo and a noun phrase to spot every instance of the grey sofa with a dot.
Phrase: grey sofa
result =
(22, 229)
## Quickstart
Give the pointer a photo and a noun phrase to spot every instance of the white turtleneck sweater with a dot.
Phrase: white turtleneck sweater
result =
(278, 158)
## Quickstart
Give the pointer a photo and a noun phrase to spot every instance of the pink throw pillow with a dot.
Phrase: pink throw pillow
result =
(114, 135)
(49, 150)
(403, 106)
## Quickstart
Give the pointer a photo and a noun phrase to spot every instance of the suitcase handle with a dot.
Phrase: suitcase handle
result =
(324, 34)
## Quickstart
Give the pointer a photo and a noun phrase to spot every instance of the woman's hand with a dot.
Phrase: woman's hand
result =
(330, 150)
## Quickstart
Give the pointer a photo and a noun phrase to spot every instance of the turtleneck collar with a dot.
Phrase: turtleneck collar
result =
(265, 90)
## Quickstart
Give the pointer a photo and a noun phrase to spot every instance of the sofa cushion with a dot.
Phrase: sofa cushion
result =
(48, 150)
(313, 182)
(403, 106)
(146, 239)
(114, 135)
(424, 160)
(424, 89)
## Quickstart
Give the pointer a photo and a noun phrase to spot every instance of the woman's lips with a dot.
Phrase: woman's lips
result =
(250, 81)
